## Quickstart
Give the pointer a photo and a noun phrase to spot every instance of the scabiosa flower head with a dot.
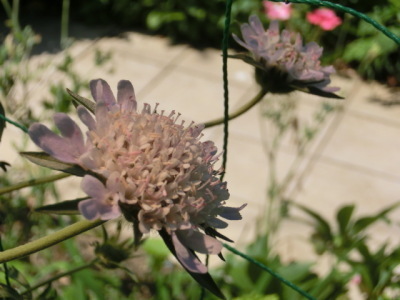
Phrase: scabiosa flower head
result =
(277, 11)
(282, 62)
(145, 165)
(324, 18)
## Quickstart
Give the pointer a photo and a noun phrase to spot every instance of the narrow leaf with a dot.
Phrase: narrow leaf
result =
(68, 207)
(364, 222)
(205, 280)
(45, 160)
(343, 217)
(90, 105)
(322, 225)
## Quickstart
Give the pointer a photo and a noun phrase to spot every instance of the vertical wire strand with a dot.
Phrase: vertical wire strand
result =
(225, 43)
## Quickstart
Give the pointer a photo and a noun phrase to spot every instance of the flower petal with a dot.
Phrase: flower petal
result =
(102, 93)
(186, 257)
(70, 130)
(126, 95)
(199, 242)
(89, 209)
(231, 213)
(53, 144)
(86, 118)
(93, 187)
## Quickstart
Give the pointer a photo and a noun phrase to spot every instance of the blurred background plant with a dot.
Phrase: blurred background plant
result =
(354, 44)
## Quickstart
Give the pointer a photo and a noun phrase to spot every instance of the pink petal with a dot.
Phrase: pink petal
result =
(199, 242)
(89, 209)
(186, 257)
(69, 130)
(93, 187)
(54, 145)
(126, 95)
(86, 117)
(102, 93)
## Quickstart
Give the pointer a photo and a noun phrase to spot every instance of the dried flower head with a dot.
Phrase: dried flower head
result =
(282, 62)
(145, 165)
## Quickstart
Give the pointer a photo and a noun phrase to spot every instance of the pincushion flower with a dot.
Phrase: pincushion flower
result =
(147, 166)
(282, 62)
(324, 18)
(277, 11)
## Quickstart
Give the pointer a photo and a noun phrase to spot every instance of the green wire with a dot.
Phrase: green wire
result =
(22, 127)
(351, 11)
(225, 43)
(265, 268)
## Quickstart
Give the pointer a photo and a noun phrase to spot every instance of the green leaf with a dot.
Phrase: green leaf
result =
(364, 222)
(90, 105)
(254, 296)
(45, 160)
(343, 217)
(68, 207)
(322, 226)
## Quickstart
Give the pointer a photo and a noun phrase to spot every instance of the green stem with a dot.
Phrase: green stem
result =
(49, 240)
(238, 112)
(64, 23)
(67, 273)
(7, 8)
(33, 182)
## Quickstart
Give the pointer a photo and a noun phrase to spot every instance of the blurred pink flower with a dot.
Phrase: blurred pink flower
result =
(277, 11)
(282, 62)
(147, 166)
(324, 18)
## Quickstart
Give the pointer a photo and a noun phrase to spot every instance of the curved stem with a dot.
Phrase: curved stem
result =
(32, 182)
(67, 273)
(238, 112)
(49, 240)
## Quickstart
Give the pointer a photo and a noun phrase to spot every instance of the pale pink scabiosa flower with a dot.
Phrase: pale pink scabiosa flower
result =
(145, 165)
(277, 11)
(324, 18)
(282, 62)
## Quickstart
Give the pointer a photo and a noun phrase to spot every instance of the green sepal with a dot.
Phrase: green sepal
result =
(67, 207)
(90, 105)
(205, 280)
(45, 160)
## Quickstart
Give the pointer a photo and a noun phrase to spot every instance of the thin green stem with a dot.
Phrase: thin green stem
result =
(265, 268)
(6, 274)
(238, 112)
(67, 273)
(33, 182)
(64, 23)
(351, 11)
(7, 8)
(22, 127)
(49, 240)
(14, 16)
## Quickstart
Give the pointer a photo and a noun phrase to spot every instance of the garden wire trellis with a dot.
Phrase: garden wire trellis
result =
(84, 225)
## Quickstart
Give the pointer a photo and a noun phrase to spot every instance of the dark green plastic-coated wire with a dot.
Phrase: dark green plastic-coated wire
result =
(265, 268)
(23, 128)
(351, 11)
(225, 44)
